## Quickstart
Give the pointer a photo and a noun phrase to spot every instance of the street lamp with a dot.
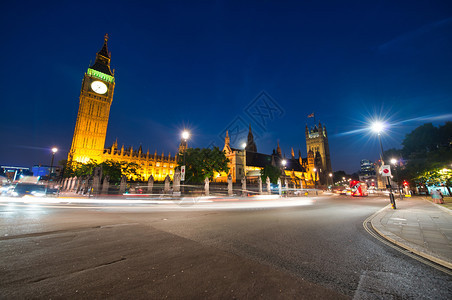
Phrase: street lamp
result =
(331, 179)
(185, 137)
(394, 162)
(378, 128)
(54, 150)
(315, 177)
(284, 163)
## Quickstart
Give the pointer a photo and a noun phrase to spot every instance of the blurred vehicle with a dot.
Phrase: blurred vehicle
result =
(371, 190)
(52, 192)
(29, 189)
(6, 189)
(358, 189)
(274, 188)
(343, 191)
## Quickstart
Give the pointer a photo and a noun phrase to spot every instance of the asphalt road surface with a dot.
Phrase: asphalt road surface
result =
(303, 248)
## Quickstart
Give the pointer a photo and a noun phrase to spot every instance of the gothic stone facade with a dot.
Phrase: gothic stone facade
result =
(303, 172)
(88, 142)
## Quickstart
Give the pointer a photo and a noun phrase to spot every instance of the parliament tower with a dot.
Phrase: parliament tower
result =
(96, 97)
(318, 151)
(88, 143)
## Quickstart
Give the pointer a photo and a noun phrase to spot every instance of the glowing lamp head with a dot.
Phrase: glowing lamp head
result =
(54, 150)
(393, 161)
(331, 174)
(377, 127)
(185, 135)
(315, 170)
(284, 162)
(244, 145)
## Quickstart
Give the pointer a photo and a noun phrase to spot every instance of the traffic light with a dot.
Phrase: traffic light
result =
(405, 183)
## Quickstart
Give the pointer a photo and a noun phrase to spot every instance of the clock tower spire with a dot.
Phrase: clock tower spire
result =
(103, 57)
(96, 96)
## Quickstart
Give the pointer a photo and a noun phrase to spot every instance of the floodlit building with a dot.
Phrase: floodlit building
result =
(88, 142)
(304, 172)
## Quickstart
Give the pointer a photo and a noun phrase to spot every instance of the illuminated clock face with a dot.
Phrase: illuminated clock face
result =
(99, 87)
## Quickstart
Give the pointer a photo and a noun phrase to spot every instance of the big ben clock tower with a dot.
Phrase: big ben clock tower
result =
(96, 96)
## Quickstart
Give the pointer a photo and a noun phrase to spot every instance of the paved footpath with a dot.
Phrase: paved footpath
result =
(420, 226)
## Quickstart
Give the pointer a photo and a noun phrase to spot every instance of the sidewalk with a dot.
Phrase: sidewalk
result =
(420, 226)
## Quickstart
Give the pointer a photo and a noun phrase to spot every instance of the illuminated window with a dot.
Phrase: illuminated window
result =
(165, 165)
(158, 164)
(171, 172)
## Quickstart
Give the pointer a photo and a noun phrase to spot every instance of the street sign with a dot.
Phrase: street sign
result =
(182, 173)
(386, 170)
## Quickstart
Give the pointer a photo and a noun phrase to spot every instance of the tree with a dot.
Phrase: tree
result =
(271, 172)
(113, 169)
(203, 163)
(427, 150)
(445, 134)
(421, 140)
(390, 154)
(436, 177)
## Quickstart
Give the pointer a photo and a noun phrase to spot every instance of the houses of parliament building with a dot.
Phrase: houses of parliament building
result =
(90, 131)
(88, 142)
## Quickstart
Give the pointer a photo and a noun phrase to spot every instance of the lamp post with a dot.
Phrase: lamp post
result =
(283, 163)
(378, 127)
(185, 137)
(315, 177)
(54, 150)
(394, 162)
(331, 179)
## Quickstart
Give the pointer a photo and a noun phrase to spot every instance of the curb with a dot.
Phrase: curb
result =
(395, 239)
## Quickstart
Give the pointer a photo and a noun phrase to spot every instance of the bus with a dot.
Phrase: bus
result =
(359, 189)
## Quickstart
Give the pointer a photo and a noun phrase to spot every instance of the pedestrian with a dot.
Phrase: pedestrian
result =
(441, 197)
(435, 196)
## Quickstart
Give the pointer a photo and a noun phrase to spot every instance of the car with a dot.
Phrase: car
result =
(6, 189)
(29, 189)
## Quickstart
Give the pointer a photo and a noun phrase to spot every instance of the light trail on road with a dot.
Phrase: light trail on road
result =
(191, 203)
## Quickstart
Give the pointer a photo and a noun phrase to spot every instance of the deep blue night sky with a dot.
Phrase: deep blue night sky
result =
(201, 64)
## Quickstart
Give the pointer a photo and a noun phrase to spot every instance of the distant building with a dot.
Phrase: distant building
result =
(13, 173)
(367, 167)
(43, 170)
(303, 172)
(367, 173)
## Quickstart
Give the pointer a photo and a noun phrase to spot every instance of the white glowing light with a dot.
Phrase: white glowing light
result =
(185, 135)
(377, 126)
